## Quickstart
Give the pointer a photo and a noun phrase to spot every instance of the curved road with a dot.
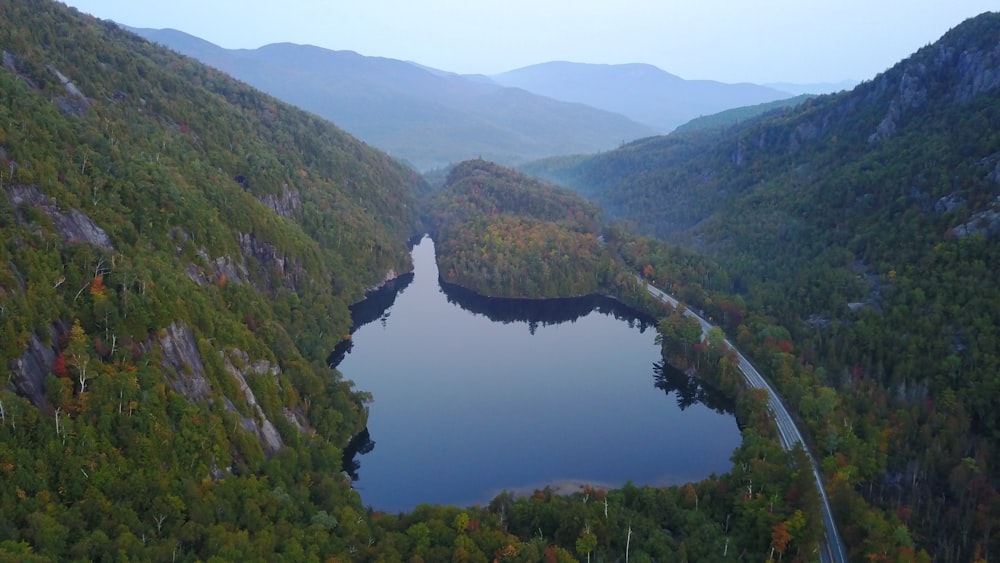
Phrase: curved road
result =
(832, 549)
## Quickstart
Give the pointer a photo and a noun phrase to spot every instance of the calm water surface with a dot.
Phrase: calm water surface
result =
(473, 396)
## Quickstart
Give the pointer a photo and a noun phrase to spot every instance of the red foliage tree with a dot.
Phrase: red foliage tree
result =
(780, 537)
(59, 367)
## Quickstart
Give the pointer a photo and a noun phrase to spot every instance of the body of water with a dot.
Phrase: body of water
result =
(473, 396)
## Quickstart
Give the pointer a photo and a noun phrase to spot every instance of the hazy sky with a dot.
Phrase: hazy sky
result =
(728, 40)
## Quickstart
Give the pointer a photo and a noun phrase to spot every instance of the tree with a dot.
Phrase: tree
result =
(780, 539)
(59, 367)
(586, 542)
(461, 522)
(678, 333)
(79, 355)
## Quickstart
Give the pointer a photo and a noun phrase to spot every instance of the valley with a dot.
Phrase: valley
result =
(185, 262)
(563, 385)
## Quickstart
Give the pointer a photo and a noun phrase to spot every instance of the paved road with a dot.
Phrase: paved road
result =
(832, 550)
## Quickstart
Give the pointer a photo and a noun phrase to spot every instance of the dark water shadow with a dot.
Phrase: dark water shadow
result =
(533, 313)
(543, 312)
(690, 390)
(360, 444)
(374, 307)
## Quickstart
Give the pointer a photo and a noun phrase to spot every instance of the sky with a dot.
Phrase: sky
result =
(760, 41)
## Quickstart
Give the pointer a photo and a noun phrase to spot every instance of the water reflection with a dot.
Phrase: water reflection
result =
(374, 307)
(360, 444)
(467, 402)
(542, 312)
(690, 390)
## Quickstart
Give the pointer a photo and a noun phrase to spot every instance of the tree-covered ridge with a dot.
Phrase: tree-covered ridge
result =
(477, 187)
(504, 234)
(734, 116)
(520, 257)
(853, 447)
(860, 229)
(178, 254)
(645, 181)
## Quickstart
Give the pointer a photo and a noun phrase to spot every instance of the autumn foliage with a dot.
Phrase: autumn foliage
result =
(97, 286)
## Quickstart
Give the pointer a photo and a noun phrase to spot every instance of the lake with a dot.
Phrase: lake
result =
(473, 396)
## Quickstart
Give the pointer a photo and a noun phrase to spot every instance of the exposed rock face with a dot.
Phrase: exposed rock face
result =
(948, 203)
(968, 64)
(985, 222)
(263, 428)
(293, 418)
(74, 102)
(285, 204)
(9, 62)
(388, 281)
(182, 360)
(281, 271)
(29, 371)
(979, 71)
(223, 266)
(73, 226)
(290, 271)
(911, 94)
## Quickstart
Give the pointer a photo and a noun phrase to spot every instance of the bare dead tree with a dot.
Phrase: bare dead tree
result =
(159, 522)
(628, 541)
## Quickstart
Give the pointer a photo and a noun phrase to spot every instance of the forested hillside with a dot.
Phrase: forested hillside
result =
(735, 116)
(504, 234)
(862, 229)
(178, 254)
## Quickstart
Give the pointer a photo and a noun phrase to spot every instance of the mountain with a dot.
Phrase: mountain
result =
(499, 232)
(866, 225)
(178, 255)
(733, 116)
(426, 117)
(814, 88)
(640, 92)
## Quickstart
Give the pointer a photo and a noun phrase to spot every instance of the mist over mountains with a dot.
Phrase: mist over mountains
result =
(641, 92)
(430, 117)
(180, 252)
(427, 118)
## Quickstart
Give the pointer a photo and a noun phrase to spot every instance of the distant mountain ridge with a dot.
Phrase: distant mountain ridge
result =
(815, 88)
(426, 117)
(641, 92)
(860, 122)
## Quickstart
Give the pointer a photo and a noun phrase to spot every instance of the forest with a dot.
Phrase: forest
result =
(179, 254)
(855, 243)
(504, 234)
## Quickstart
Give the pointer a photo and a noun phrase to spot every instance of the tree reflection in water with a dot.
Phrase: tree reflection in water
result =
(689, 389)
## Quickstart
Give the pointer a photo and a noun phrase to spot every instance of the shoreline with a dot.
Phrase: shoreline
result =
(560, 487)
